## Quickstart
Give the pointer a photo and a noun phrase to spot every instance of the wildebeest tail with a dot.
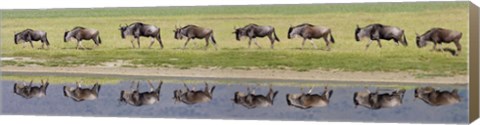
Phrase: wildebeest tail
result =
(404, 38)
(213, 38)
(331, 38)
(99, 40)
(46, 40)
(275, 35)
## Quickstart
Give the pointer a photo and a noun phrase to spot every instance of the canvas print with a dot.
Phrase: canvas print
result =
(362, 62)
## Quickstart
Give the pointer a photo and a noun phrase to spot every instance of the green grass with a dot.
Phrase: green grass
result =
(346, 54)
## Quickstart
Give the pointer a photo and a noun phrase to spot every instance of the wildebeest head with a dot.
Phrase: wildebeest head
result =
(358, 32)
(178, 34)
(238, 97)
(122, 30)
(239, 32)
(65, 36)
(17, 38)
(421, 42)
(289, 35)
(423, 92)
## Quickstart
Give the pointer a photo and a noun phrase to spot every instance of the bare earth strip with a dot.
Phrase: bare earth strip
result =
(319, 75)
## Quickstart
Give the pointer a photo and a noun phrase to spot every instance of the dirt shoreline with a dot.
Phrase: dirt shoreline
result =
(319, 75)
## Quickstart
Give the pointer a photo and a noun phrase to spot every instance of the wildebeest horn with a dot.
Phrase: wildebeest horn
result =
(358, 26)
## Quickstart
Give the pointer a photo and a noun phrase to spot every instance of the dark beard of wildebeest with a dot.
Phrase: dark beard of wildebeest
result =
(82, 33)
(192, 96)
(378, 100)
(253, 31)
(437, 98)
(29, 91)
(309, 31)
(81, 94)
(439, 36)
(380, 31)
(139, 29)
(29, 35)
(195, 32)
(251, 100)
(308, 100)
(135, 98)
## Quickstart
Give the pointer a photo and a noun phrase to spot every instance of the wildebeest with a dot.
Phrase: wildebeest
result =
(81, 94)
(380, 31)
(195, 32)
(192, 96)
(310, 32)
(29, 35)
(439, 36)
(251, 100)
(378, 100)
(82, 33)
(253, 31)
(437, 98)
(136, 98)
(29, 91)
(139, 29)
(309, 100)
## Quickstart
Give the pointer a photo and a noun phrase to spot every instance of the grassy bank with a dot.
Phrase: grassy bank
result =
(346, 54)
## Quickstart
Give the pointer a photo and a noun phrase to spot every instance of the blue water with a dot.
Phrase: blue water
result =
(341, 107)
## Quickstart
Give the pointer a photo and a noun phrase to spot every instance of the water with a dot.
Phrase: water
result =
(340, 108)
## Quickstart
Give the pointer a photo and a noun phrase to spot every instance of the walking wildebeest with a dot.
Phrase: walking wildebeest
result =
(80, 94)
(139, 29)
(308, 100)
(29, 35)
(439, 36)
(380, 31)
(29, 91)
(251, 100)
(378, 100)
(310, 32)
(192, 96)
(437, 98)
(136, 98)
(195, 32)
(253, 31)
(82, 33)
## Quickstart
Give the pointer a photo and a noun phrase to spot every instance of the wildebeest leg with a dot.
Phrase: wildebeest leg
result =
(313, 43)
(78, 44)
(185, 46)
(396, 42)
(133, 45)
(43, 45)
(207, 40)
(368, 44)
(151, 43)
(303, 42)
(255, 40)
(272, 41)
(249, 42)
(31, 43)
(138, 42)
(434, 46)
(440, 46)
(379, 44)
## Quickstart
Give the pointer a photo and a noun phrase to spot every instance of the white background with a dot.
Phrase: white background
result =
(63, 120)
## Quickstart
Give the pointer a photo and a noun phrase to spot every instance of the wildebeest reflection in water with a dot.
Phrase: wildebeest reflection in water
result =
(251, 100)
(309, 100)
(29, 91)
(135, 98)
(80, 94)
(192, 96)
(437, 98)
(378, 100)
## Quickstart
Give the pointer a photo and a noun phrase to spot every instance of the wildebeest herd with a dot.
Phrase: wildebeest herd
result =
(374, 32)
(190, 96)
